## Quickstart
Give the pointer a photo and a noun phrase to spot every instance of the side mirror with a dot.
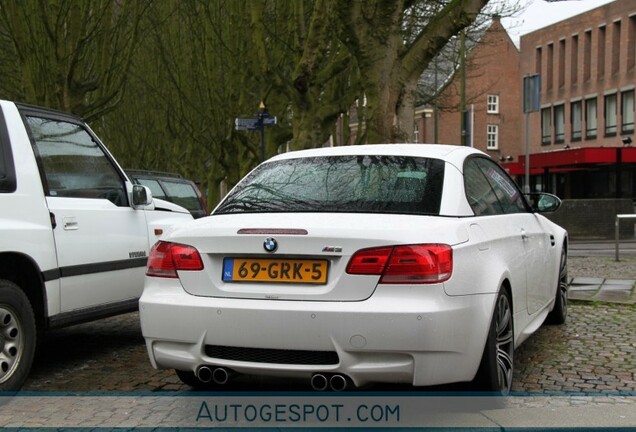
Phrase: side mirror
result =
(141, 196)
(541, 202)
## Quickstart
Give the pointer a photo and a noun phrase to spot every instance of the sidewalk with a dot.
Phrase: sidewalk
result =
(603, 290)
(596, 282)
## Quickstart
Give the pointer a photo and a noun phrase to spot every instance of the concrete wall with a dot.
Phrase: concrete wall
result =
(592, 219)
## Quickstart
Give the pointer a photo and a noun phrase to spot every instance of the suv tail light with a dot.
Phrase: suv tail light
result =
(167, 258)
(412, 264)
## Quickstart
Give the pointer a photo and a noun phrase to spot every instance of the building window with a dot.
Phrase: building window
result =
(546, 126)
(627, 111)
(538, 64)
(610, 115)
(576, 120)
(493, 104)
(590, 118)
(616, 46)
(574, 59)
(550, 72)
(631, 43)
(492, 140)
(561, 65)
(600, 58)
(587, 55)
(559, 124)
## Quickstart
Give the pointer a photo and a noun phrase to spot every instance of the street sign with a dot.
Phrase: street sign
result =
(246, 123)
(269, 120)
(249, 123)
(531, 93)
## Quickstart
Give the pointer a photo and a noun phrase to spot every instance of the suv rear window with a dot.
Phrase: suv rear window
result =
(351, 184)
(173, 188)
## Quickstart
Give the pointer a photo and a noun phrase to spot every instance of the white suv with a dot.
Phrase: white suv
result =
(75, 232)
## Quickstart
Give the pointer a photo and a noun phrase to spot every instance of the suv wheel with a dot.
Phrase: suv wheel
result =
(17, 336)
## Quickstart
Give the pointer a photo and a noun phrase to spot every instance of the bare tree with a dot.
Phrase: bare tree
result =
(69, 54)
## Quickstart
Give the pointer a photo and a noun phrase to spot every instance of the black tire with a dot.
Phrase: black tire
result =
(497, 362)
(17, 336)
(559, 314)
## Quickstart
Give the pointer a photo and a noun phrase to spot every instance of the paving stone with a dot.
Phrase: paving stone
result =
(628, 282)
(584, 288)
(587, 281)
(617, 287)
(623, 296)
(582, 295)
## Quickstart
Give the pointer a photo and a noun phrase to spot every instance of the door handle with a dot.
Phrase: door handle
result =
(70, 224)
(524, 236)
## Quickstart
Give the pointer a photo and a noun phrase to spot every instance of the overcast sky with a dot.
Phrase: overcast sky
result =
(540, 13)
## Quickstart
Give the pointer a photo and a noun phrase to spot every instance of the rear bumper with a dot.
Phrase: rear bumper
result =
(417, 335)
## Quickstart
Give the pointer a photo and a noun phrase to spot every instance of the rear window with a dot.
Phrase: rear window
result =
(351, 184)
(182, 194)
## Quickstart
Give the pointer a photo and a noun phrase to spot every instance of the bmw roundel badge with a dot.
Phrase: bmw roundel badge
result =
(270, 244)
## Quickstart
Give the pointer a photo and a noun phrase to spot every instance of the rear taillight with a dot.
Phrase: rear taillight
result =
(412, 264)
(167, 258)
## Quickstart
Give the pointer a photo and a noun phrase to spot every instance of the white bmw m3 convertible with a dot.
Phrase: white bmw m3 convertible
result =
(398, 263)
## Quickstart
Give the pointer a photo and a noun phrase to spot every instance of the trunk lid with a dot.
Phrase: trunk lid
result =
(233, 246)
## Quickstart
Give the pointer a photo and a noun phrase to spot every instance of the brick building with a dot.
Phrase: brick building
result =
(581, 140)
(492, 98)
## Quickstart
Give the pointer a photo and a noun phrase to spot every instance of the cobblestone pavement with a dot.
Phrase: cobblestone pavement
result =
(602, 267)
(595, 351)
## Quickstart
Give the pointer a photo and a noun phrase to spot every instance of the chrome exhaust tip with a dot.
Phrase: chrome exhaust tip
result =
(338, 383)
(221, 376)
(319, 382)
(204, 374)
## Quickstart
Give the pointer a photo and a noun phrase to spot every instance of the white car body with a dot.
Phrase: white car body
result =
(422, 334)
(75, 233)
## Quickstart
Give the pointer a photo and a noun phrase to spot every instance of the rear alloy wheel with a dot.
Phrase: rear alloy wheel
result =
(559, 314)
(496, 368)
(17, 336)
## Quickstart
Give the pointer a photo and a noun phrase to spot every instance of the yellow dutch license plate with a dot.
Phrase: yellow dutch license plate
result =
(275, 270)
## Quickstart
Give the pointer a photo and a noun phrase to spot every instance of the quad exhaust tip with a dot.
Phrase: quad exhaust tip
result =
(335, 382)
(218, 375)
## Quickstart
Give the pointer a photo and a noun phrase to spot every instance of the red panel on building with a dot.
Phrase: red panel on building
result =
(574, 157)
(629, 154)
